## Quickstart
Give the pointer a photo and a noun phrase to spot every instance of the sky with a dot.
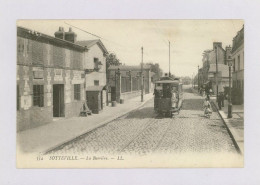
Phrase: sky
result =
(188, 38)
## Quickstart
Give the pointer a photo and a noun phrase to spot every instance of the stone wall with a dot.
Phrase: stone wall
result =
(38, 65)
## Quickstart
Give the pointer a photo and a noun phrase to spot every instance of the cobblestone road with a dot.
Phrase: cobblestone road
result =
(143, 132)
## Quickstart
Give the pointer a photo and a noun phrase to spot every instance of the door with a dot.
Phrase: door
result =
(113, 93)
(58, 100)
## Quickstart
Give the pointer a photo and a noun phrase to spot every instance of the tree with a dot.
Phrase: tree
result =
(155, 68)
(112, 60)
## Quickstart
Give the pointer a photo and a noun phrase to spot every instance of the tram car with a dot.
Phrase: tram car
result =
(168, 96)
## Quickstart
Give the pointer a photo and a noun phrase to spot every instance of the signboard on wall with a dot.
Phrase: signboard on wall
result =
(38, 72)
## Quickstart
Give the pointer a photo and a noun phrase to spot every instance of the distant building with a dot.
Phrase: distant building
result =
(208, 71)
(238, 67)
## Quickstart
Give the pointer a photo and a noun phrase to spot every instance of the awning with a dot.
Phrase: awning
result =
(95, 88)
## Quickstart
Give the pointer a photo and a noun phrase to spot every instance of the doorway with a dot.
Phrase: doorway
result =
(113, 93)
(58, 100)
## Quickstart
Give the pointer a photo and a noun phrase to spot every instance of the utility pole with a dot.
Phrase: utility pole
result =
(229, 93)
(142, 82)
(193, 80)
(198, 77)
(216, 71)
(169, 59)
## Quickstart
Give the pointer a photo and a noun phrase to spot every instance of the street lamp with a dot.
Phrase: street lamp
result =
(229, 96)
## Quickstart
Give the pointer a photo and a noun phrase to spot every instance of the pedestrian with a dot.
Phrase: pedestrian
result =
(222, 99)
(210, 91)
(207, 108)
(219, 101)
(208, 96)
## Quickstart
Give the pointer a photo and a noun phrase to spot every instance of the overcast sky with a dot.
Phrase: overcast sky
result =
(189, 38)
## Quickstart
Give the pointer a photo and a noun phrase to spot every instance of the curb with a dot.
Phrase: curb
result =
(95, 127)
(228, 129)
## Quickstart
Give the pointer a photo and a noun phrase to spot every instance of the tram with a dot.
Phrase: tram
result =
(168, 96)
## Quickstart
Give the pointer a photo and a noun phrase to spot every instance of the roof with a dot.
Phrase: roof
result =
(168, 82)
(128, 68)
(95, 88)
(221, 68)
(31, 34)
(90, 43)
(167, 79)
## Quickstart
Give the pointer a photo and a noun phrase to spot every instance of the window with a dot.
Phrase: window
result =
(38, 95)
(234, 65)
(18, 98)
(96, 82)
(20, 48)
(76, 91)
(238, 63)
(96, 63)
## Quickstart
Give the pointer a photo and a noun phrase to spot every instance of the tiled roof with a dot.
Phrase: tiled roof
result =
(90, 43)
(41, 37)
(87, 43)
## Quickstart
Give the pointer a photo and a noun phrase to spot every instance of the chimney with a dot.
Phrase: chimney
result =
(70, 36)
(228, 53)
(219, 44)
(60, 33)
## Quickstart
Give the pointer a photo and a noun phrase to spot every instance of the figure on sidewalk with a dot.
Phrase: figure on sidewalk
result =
(207, 108)
(222, 99)
(219, 101)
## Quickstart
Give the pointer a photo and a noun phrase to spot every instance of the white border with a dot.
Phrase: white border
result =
(134, 9)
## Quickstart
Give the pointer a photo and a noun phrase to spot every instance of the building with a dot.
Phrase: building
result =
(56, 75)
(125, 81)
(50, 77)
(95, 68)
(207, 76)
(238, 68)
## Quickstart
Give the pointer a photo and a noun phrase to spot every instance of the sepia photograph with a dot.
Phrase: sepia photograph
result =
(130, 93)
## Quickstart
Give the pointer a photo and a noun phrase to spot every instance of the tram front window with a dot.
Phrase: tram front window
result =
(167, 91)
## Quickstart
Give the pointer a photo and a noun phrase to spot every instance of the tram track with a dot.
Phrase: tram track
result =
(60, 147)
(136, 136)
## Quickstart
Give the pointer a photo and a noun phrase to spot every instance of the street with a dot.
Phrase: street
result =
(143, 132)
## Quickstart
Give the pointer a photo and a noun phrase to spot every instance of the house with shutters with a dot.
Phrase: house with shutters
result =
(50, 77)
(207, 73)
(54, 74)
(95, 70)
(238, 67)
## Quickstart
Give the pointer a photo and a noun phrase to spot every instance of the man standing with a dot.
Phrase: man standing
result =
(219, 101)
(222, 99)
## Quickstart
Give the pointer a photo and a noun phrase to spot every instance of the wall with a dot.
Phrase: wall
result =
(235, 54)
(129, 95)
(59, 66)
(95, 52)
(220, 58)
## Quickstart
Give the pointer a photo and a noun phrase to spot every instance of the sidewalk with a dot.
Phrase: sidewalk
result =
(49, 136)
(236, 123)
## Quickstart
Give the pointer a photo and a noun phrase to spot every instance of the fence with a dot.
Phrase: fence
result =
(125, 84)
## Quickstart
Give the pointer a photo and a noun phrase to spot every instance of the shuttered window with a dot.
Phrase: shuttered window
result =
(76, 91)
(38, 95)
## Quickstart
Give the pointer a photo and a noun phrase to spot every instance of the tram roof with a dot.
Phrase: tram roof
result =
(168, 82)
